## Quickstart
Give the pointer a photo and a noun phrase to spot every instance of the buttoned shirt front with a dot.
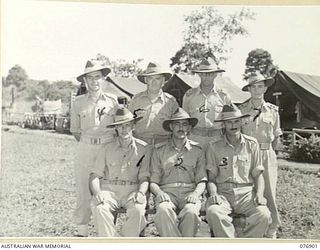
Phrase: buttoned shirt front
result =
(171, 165)
(90, 117)
(234, 165)
(131, 163)
(206, 108)
(264, 126)
(154, 113)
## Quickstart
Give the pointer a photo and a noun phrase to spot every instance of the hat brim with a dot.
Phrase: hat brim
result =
(232, 117)
(208, 70)
(112, 125)
(105, 71)
(141, 77)
(268, 82)
(193, 122)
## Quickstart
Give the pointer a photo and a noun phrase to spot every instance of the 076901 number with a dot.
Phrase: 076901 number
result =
(308, 246)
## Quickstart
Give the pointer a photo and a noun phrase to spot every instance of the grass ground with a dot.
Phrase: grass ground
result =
(37, 189)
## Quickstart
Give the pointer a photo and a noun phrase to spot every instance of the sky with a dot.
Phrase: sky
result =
(53, 40)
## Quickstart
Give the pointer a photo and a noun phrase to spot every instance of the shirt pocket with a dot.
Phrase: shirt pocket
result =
(267, 122)
(114, 171)
(84, 119)
(243, 164)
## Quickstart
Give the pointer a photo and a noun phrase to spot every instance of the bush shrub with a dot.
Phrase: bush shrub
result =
(305, 151)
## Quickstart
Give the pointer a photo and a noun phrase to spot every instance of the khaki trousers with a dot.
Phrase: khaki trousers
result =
(117, 196)
(270, 174)
(184, 224)
(85, 157)
(240, 201)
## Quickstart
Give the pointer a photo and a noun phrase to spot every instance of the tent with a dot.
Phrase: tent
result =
(180, 83)
(298, 98)
(52, 107)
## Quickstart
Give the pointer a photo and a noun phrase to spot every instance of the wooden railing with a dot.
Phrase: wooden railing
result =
(292, 137)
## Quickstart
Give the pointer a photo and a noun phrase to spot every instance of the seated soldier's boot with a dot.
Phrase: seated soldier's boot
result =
(271, 233)
(82, 231)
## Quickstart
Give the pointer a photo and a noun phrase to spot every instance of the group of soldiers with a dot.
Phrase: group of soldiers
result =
(208, 147)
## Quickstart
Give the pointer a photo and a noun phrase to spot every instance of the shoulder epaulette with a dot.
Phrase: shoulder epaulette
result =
(190, 91)
(196, 144)
(272, 106)
(160, 144)
(168, 95)
(111, 96)
(250, 138)
(141, 142)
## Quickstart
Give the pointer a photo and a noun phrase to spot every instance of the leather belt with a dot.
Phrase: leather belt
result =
(233, 185)
(95, 140)
(178, 184)
(264, 146)
(119, 182)
(206, 132)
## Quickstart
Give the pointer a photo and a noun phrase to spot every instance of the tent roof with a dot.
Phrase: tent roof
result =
(222, 82)
(310, 83)
(129, 86)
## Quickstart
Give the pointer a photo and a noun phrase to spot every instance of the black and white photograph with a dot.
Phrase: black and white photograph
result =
(160, 120)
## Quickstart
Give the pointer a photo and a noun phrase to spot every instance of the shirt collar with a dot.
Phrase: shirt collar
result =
(242, 141)
(161, 96)
(263, 106)
(187, 145)
(213, 90)
(132, 145)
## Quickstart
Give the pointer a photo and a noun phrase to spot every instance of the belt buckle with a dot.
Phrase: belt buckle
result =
(123, 183)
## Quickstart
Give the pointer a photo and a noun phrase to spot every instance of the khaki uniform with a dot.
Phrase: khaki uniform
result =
(265, 128)
(206, 108)
(177, 173)
(121, 170)
(89, 119)
(149, 128)
(233, 171)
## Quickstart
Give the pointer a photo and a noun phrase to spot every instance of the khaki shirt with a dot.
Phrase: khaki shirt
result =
(205, 107)
(154, 115)
(234, 165)
(90, 118)
(266, 127)
(168, 165)
(126, 164)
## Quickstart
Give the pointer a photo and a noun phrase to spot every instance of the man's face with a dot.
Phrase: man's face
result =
(154, 83)
(93, 81)
(257, 90)
(180, 129)
(207, 78)
(233, 127)
(125, 129)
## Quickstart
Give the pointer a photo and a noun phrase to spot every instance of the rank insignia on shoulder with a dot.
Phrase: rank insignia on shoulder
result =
(272, 106)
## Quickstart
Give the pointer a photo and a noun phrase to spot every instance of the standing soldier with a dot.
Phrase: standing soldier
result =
(89, 115)
(205, 103)
(235, 180)
(264, 125)
(178, 179)
(120, 178)
(153, 104)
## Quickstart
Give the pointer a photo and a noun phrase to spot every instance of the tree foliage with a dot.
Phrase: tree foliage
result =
(260, 60)
(208, 33)
(121, 67)
(17, 76)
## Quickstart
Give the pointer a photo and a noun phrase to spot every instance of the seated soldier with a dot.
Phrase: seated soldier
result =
(120, 178)
(178, 179)
(236, 183)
